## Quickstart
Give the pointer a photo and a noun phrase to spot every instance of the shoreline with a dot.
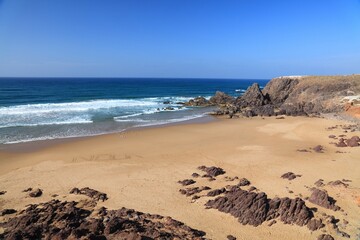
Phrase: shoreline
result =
(30, 146)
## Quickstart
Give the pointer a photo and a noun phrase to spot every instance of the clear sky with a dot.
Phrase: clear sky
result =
(179, 38)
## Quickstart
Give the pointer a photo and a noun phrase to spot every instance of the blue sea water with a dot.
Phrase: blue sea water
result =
(49, 108)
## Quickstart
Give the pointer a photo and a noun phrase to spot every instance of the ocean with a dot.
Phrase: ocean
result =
(34, 109)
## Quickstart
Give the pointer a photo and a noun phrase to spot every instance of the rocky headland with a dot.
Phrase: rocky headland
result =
(292, 96)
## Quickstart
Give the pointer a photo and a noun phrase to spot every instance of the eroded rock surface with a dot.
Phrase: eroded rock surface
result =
(321, 198)
(94, 194)
(212, 171)
(186, 182)
(255, 208)
(290, 175)
(65, 220)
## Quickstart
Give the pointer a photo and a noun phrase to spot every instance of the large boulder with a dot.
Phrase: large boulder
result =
(221, 98)
(198, 102)
(252, 97)
(279, 89)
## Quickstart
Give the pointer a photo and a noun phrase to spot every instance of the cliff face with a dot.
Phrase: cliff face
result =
(323, 93)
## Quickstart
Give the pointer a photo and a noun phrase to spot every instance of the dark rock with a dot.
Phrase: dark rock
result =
(169, 109)
(252, 97)
(266, 110)
(332, 136)
(166, 102)
(212, 171)
(2, 192)
(255, 208)
(36, 193)
(195, 175)
(338, 183)
(279, 89)
(186, 182)
(315, 224)
(94, 194)
(64, 220)
(216, 192)
(243, 182)
(252, 188)
(289, 175)
(321, 198)
(221, 98)
(28, 190)
(198, 102)
(318, 149)
(7, 211)
(325, 237)
(230, 237)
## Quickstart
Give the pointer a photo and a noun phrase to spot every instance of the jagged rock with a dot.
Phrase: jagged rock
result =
(266, 110)
(186, 182)
(255, 208)
(221, 98)
(94, 194)
(252, 97)
(65, 220)
(315, 224)
(216, 192)
(197, 102)
(321, 198)
(7, 211)
(243, 182)
(279, 89)
(325, 237)
(36, 193)
(212, 171)
(289, 175)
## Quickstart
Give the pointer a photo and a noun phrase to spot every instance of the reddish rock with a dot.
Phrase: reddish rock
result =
(341, 143)
(315, 224)
(243, 182)
(338, 183)
(319, 183)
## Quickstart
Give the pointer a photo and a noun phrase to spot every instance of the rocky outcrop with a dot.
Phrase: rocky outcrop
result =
(255, 208)
(198, 102)
(321, 198)
(253, 97)
(221, 98)
(290, 175)
(293, 96)
(66, 220)
(36, 193)
(186, 182)
(212, 171)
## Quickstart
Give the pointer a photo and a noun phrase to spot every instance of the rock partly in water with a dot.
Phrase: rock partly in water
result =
(221, 98)
(252, 97)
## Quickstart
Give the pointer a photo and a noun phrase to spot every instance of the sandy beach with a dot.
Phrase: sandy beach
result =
(140, 169)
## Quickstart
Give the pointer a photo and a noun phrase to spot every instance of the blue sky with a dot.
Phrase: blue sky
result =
(179, 38)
